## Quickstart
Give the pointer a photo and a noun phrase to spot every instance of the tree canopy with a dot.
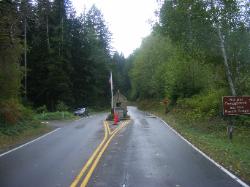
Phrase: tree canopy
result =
(197, 50)
(49, 55)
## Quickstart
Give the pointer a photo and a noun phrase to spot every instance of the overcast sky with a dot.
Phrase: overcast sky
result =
(128, 20)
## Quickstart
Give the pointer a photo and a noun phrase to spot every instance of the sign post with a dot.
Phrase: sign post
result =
(234, 106)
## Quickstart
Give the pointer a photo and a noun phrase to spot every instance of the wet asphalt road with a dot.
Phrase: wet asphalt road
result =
(148, 154)
(54, 160)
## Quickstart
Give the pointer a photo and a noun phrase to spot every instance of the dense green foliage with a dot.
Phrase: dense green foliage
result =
(52, 59)
(183, 58)
(120, 69)
(69, 56)
(197, 53)
(10, 71)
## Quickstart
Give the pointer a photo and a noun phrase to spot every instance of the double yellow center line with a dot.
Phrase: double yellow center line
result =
(97, 154)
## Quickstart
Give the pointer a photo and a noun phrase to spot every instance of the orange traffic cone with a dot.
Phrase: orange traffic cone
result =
(116, 118)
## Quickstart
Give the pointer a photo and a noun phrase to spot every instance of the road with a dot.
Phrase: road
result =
(54, 160)
(144, 153)
(149, 154)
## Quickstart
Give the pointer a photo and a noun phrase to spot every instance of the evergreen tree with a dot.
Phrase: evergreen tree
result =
(10, 51)
(26, 12)
(10, 71)
(95, 59)
(120, 73)
(66, 58)
(50, 71)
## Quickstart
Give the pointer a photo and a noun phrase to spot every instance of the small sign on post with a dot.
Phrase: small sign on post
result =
(233, 106)
(236, 105)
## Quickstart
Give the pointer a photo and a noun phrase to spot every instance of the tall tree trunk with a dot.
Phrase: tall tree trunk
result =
(224, 54)
(62, 36)
(25, 57)
(47, 31)
(190, 36)
(61, 40)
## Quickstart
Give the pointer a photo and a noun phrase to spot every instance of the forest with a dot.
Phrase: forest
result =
(51, 58)
(197, 52)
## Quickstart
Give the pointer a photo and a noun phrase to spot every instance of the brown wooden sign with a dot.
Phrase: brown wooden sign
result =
(236, 105)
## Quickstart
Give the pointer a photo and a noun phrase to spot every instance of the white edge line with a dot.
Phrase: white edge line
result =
(32, 141)
(206, 156)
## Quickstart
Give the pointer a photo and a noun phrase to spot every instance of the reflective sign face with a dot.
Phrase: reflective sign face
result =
(236, 105)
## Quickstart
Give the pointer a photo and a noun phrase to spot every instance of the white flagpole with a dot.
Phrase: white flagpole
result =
(111, 87)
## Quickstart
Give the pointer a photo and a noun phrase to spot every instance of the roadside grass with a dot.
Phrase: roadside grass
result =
(55, 116)
(20, 133)
(98, 109)
(11, 135)
(210, 136)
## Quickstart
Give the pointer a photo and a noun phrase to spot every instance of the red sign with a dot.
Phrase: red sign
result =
(235, 105)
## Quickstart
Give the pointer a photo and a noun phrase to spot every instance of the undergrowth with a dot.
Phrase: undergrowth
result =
(55, 116)
(21, 132)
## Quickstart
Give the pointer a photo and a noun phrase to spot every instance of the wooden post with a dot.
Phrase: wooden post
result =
(230, 128)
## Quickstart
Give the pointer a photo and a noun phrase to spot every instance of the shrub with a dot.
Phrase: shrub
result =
(54, 116)
(10, 112)
(41, 109)
(26, 113)
(205, 105)
(61, 106)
